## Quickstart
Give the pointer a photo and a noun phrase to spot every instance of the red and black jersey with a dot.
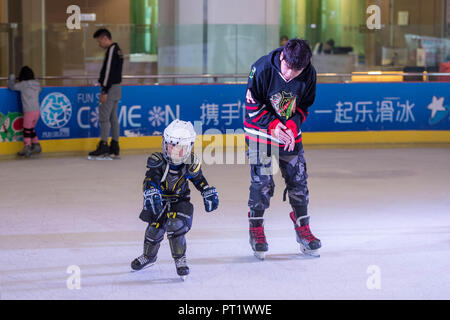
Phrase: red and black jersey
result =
(271, 99)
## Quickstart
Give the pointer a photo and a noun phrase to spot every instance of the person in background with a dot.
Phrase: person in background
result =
(283, 40)
(110, 80)
(444, 67)
(29, 89)
(324, 47)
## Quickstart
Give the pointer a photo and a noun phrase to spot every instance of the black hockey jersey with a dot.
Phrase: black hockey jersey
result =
(171, 180)
(270, 99)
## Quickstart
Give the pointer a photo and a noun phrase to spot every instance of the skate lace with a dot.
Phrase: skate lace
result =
(258, 234)
(306, 233)
(181, 262)
(142, 259)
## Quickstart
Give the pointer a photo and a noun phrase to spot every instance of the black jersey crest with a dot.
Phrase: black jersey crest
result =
(284, 103)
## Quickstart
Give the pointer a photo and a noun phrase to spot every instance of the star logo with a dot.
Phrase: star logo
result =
(438, 110)
(436, 105)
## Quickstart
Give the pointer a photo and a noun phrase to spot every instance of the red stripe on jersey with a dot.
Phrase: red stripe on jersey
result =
(259, 117)
(301, 111)
(253, 126)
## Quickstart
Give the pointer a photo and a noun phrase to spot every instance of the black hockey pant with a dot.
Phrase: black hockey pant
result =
(177, 221)
(293, 170)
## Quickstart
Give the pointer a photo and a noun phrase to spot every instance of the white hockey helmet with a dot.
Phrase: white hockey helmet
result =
(178, 139)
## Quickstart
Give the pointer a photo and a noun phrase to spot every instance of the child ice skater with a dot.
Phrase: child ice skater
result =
(29, 89)
(167, 205)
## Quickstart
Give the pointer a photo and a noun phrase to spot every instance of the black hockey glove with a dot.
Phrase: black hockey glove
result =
(210, 198)
(153, 201)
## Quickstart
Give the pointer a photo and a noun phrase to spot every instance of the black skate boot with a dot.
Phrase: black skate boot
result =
(25, 152)
(36, 148)
(142, 262)
(148, 257)
(114, 149)
(182, 268)
(257, 237)
(309, 244)
(101, 153)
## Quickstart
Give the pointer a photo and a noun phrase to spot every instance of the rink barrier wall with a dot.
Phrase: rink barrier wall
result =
(329, 139)
(351, 113)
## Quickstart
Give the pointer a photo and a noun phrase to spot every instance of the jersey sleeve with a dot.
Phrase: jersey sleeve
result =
(195, 174)
(153, 174)
(257, 115)
(308, 97)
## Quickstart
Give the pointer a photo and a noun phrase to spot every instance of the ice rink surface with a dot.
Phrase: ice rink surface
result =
(383, 216)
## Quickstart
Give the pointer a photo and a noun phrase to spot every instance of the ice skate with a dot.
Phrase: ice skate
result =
(182, 268)
(101, 153)
(309, 244)
(258, 242)
(114, 150)
(142, 262)
(25, 152)
(261, 255)
(36, 148)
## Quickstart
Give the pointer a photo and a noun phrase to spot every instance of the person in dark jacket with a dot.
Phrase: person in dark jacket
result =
(281, 88)
(111, 92)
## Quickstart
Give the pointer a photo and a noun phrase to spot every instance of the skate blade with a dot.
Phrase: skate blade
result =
(310, 253)
(183, 278)
(259, 254)
(99, 158)
(147, 266)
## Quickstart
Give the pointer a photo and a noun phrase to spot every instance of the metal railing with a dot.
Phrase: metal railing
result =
(215, 77)
(155, 76)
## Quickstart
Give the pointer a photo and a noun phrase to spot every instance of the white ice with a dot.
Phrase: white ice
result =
(383, 216)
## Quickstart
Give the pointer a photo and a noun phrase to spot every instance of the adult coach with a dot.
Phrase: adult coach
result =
(281, 87)
(111, 92)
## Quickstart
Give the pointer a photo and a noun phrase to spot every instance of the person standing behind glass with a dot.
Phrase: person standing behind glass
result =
(110, 80)
(324, 47)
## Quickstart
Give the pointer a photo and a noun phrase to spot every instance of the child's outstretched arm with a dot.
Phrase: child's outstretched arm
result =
(12, 85)
(209, 193)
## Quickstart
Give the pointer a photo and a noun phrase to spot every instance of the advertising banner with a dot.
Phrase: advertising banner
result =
(72, 112)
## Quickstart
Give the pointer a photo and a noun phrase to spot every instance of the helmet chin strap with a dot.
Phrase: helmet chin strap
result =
(165, 173)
